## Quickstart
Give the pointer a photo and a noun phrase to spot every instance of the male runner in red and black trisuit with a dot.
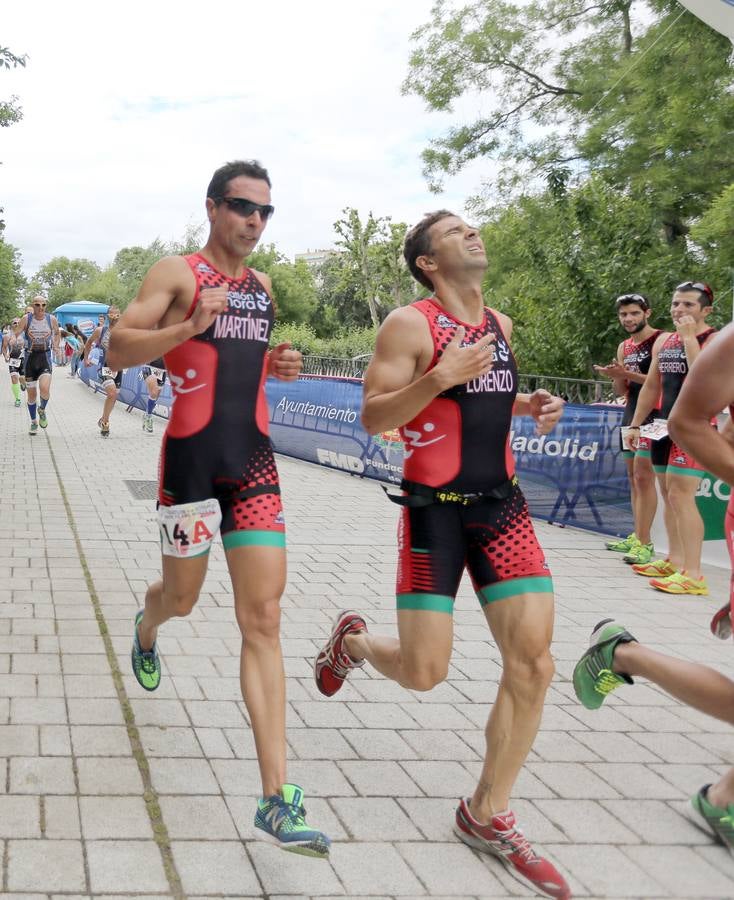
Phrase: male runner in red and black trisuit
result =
(211, 319)
(677, 472)
(110, 379)
(628, 372)
(615, 655)
(41, 332)
(443, 372)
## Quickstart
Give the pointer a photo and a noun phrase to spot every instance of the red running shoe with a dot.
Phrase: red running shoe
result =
(503, 839)
(333, 663)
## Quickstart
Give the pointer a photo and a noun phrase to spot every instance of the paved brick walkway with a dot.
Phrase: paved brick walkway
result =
(110, 791)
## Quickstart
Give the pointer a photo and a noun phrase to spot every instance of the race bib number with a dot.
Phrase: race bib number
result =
(657, 429)
(14, 363)
(189, 528)
(106, 372)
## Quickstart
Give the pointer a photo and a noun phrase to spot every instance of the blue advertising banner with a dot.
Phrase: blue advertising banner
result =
(574, 476)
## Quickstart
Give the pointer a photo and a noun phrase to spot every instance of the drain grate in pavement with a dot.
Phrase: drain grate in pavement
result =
(143, 490)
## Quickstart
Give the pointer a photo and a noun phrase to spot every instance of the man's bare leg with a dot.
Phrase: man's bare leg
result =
(258, 578)
(694, 684)
(522, 626)
(675, 547)
(109, 403)
(682, 498)
(175, 595)
(419, 658)
(646, 498)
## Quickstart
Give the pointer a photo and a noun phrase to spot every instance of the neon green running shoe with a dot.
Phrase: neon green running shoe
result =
(282, 820)
(623, 545)
(640, 555)
(720, 821)
(42, 420)
(146, 663)
(593, 677)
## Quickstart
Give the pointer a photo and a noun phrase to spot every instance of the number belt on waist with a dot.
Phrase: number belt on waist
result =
(417, 495)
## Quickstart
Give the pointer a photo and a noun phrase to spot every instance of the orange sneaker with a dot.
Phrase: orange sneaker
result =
(658, 568)
(681, 583)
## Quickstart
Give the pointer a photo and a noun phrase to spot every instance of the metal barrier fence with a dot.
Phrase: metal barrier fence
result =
(573, 390)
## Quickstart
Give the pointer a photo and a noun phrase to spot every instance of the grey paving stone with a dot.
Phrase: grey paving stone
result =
(215, 867)
(108, 775)
(449, 868)
(371, 743)
(634, 780)
(379, 778)
(197, 818)
(681, 871)
(375, 818)
(377, 865)
(62, 817)
(573, 779)
(300, 873)
(41, 775)
(45, 865)
(111, 864)
(114, 817)
(163, 741)
(586, 821)
(19, 817)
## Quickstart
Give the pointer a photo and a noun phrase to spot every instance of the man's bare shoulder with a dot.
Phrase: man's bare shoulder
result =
(264, 280)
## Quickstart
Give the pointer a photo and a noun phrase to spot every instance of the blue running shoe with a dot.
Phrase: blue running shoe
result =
(282, 820)
(146, 663)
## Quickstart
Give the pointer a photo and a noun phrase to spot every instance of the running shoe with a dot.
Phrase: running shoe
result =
(104, 428)
(721, 623)
(640, 555)
(622, 545)
(17, 402)
(149, 423)
(681, 583)
(658, 568)
(333, 663)
(593, 677)
(282, 820)
(720, 821)
(146, 663)
(503, 839)
(42, 420)
(22, 385)
(34, 428)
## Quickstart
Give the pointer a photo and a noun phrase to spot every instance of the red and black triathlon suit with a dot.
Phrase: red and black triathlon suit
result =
(637, 357)
(673, 368)
(216, 444)
(460, 444)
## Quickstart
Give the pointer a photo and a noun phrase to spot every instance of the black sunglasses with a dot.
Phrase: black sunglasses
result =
(696, 286)
(632, 298)
(246, 208)
(39, 305)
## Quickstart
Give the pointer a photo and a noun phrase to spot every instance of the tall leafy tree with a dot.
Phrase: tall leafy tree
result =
(61, 278)
(12, 281)
(293, 284)
(578, 85)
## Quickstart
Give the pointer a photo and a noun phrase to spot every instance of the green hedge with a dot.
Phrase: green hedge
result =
(346, 345)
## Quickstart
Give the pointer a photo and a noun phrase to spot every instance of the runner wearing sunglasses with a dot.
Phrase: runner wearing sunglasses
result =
(210, 318)
(628, 373)
(13, 350)
(677, 472)
(41, 332)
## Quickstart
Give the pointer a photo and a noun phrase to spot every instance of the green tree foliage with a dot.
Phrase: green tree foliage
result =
(10, 112)
(12, 281)
(714, 235)
(552, 271)
(573, 81)
(293, 284)
(61, 278)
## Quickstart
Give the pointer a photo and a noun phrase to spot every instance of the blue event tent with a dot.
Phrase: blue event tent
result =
(82, 313)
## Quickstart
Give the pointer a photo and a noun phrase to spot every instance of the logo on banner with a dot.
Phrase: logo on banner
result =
(340, 460)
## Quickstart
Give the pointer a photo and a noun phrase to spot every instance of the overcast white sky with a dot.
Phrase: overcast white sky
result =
(128, 109)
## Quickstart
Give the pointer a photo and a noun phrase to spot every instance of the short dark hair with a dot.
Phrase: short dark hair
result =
(224, 174)
(637, 299)
(702, 287)
(417, 243)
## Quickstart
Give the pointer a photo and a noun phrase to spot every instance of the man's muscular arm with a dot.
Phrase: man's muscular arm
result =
(393, 395)
(136, 339)
(648, 397)
(708, 388)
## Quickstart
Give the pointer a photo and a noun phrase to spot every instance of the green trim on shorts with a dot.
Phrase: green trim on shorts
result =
(679, 470)
(418, 550)
(645, 453)
(661, 470)
(426, 602)
(256, 538)
(530, 584)
(628, 454)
